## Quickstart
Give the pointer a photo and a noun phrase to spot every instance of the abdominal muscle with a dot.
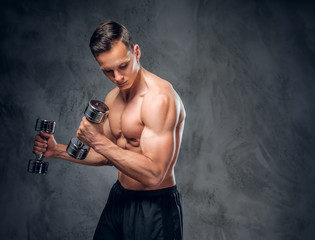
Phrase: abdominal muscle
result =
(132, 184)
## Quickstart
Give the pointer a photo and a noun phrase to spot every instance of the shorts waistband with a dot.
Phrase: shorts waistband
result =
(145, 193)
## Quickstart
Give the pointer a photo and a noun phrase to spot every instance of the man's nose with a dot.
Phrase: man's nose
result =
(118, 77)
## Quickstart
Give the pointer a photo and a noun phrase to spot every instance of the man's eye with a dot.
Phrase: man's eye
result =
(123, 66)
(107, 71)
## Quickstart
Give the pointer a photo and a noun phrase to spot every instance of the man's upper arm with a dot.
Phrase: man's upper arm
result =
(160, 116)
(107, 130)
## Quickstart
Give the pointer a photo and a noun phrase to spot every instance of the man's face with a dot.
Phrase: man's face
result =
(120, 65)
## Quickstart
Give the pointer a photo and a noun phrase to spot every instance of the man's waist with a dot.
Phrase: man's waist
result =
(145, 193)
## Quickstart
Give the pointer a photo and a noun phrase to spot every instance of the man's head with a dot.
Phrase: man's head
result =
(107, 34)
(116, 54)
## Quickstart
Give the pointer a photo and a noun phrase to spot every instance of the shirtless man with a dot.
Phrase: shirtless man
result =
(141, 138)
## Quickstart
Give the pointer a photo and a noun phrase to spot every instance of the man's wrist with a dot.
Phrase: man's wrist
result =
(59, 151)
(101, 144)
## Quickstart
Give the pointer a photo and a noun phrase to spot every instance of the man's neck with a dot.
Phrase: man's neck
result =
(137, 88)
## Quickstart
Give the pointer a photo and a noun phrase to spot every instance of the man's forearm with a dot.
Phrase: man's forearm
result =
(92, 159)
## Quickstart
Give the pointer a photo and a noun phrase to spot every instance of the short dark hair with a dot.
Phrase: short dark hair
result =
(106, 34)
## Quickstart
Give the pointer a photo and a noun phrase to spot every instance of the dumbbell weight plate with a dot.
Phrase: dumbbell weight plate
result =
(95, 111)
(77, 149)
(38, 167)
(45, 125)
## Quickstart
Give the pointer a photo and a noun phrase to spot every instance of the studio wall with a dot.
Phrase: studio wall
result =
(245, 72)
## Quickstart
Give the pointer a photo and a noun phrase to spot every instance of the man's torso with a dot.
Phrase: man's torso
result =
(126, 124)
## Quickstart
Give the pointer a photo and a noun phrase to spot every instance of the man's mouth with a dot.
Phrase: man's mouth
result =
(121, 84)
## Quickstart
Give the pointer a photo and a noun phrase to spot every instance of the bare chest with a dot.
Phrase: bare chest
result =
(125, 123)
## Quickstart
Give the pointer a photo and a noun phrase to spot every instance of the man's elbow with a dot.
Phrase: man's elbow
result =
(155, 180)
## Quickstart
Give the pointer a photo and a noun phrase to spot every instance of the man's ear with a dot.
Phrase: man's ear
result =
(137, 51)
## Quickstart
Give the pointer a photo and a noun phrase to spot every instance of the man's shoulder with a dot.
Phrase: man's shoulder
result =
(160, 96)
(159, 90)
(158, 86)
(162, 103)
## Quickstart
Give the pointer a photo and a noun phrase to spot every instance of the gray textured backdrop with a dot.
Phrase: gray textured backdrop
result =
(245, 71)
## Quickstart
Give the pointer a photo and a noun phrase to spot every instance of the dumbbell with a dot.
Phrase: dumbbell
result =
(95, 112)
(38, 166)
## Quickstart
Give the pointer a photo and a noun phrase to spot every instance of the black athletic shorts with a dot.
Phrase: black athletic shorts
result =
(141, 215)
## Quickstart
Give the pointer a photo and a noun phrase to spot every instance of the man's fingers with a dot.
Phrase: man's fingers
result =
(45, 135)
(39, 150)
(38, 138)
(40, 144)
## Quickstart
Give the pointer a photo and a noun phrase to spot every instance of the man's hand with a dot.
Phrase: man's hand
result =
(44, 143)
(88, 132)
